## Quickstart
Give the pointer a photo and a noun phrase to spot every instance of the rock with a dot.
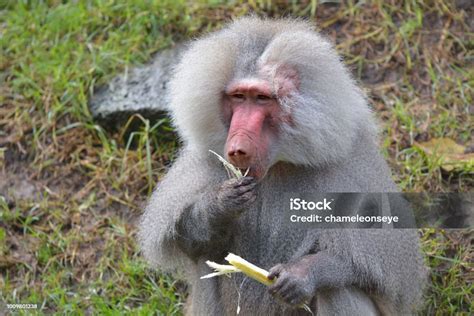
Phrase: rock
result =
(139, 90)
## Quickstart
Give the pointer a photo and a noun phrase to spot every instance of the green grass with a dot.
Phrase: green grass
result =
(69, 246)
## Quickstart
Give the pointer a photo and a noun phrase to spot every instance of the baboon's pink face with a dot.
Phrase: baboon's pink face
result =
(254, 116)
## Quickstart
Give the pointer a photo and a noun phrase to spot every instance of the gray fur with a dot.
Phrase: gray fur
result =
(331, 147)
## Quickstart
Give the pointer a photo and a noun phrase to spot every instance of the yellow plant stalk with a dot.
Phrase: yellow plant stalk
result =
(238, 264)
(219, 269)
(249, 269)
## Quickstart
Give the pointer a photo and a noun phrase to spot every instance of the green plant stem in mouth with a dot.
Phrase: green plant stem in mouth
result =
(233, 171)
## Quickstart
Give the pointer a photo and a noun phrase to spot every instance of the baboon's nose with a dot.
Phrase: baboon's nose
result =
(236, 152)
(239, 152)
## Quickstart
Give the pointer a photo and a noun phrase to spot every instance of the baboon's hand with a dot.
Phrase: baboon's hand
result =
(295, 283)
(235, 195)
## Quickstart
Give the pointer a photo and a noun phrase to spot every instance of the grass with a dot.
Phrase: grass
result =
(67, 234)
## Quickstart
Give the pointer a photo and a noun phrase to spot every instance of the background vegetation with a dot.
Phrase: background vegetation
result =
(71, 191)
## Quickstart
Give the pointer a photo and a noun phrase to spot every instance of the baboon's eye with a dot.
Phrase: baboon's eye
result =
(263, 97)
(238, 96)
